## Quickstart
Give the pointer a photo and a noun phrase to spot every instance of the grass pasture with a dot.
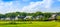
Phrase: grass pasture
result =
(30, 24)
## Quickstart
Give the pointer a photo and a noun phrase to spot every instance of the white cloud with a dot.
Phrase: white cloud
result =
(36, 6)
(6, 7)
(32, 7)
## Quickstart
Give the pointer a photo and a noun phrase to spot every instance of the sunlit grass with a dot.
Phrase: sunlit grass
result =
(30, 24)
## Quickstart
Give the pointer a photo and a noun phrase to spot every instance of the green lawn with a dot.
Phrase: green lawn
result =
(29, 24)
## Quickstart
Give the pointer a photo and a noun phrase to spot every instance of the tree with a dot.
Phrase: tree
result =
(47, 15)
(11, 15)
(37, 13)
(2, 16)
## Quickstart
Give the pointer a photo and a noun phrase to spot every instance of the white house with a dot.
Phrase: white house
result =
(2, 18)
(28, 17)
(40, 16)
(7, 18)
(53, 17)
(16, 18)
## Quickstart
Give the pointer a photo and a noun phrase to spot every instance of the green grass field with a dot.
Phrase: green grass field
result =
(30, 24)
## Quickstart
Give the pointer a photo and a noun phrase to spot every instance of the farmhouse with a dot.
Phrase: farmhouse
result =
(39, 16)
(53, 17)
(7, 18)
(2, 18)
(28, 17)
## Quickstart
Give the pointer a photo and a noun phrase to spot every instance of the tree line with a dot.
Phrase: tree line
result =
(14, 14)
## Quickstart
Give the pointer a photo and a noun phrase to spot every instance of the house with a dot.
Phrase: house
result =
(7, 18)
(21, 17)
(28, 17)
(11, 18)
(39, 16)
(53, 17)
(2, 19)
(16, 18)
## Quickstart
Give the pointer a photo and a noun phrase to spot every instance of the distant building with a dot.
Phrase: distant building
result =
(16, 18)
(39, 16)
(28, 17)
(21, 17)
(7, 18)
(2, 19)
(53, 17)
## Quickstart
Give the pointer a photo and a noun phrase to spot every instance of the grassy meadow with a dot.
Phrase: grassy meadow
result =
(30, 24)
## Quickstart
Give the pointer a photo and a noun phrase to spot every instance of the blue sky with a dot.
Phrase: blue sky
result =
(29, 6)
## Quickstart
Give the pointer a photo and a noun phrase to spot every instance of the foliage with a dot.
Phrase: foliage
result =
(34, 15)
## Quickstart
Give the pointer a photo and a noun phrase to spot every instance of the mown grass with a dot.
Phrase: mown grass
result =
(30, 24)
